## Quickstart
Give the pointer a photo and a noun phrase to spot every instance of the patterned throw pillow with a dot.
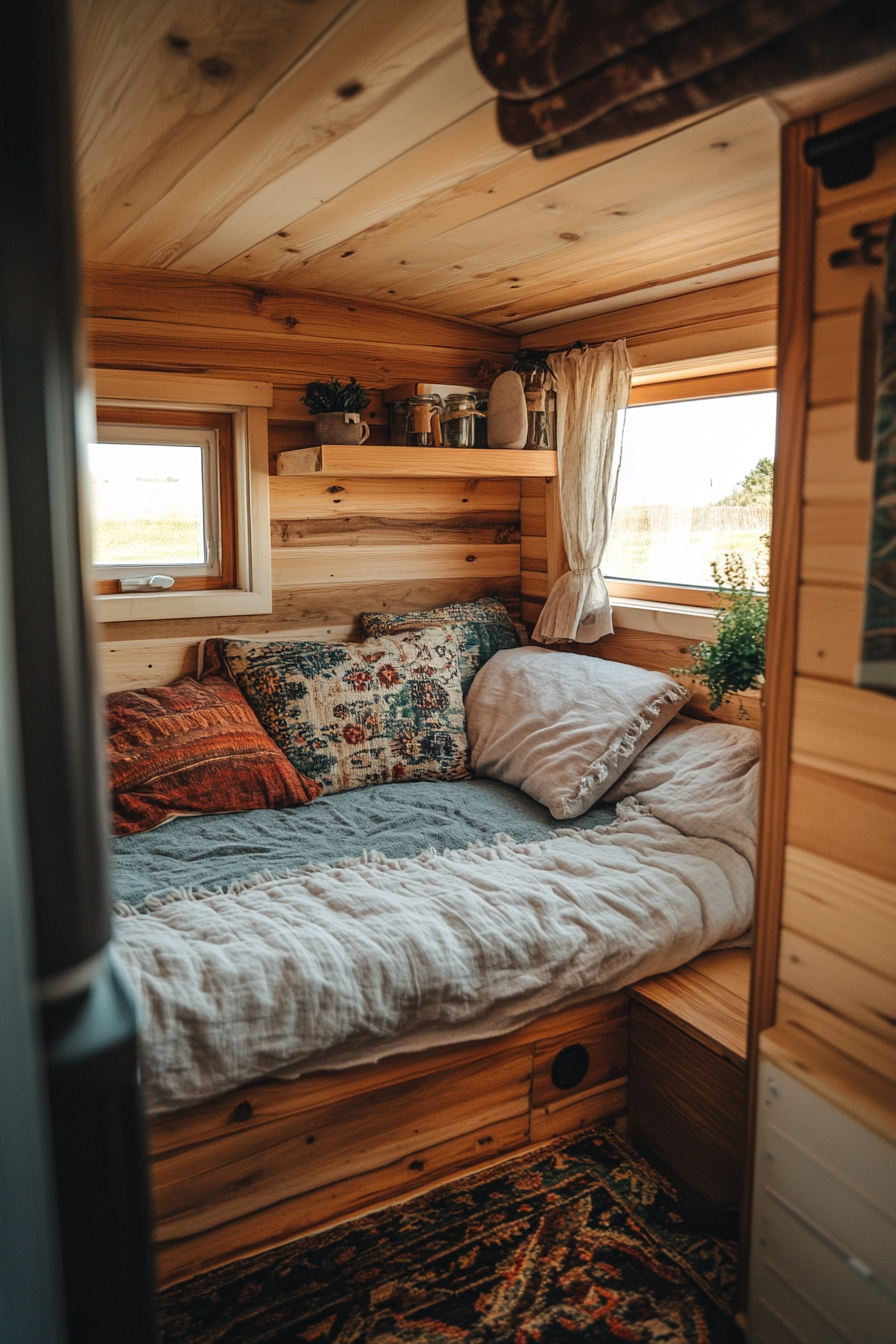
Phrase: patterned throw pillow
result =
(193, 747)
(479, 628)
(356, 714)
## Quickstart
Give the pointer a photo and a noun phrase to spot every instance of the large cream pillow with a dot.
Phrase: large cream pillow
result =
(561, 726)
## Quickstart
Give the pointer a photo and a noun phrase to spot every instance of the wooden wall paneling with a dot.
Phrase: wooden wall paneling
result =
(829, 631)
(315, 496)
(140, 293)
(290, 357)
(841, 908)
(823, 1021)
(555, 548)
(745, 298)
(835, 360)
(843, 819)
(833, 473)
(845, 730)
(794, 319)
(293, 567)
(842, 287)
(835, 543)
(133, 386)
(325, 611)
(852, 990)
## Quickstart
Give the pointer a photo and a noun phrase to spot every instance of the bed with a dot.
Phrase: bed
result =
(343, 1002)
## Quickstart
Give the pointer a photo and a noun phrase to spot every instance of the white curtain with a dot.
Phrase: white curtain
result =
(592, 388)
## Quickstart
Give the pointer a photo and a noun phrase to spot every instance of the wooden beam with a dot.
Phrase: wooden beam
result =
(794, 316)
(757, 295)
(178, 297)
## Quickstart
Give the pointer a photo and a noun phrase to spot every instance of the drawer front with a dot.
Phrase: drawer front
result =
(687, 1106)
(823, 1263)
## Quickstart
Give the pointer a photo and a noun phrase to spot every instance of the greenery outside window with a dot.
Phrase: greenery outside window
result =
(695, 484)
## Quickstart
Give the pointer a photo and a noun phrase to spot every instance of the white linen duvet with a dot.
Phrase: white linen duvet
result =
(342, 965)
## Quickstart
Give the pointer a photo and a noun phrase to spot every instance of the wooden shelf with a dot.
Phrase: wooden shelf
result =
(337, 460)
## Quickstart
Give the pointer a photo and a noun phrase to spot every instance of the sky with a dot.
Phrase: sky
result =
(693, 452)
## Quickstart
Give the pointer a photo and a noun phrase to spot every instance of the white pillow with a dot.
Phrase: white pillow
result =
(562, 726)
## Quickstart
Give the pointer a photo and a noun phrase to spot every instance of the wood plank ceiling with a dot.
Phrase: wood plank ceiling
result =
(351, 146)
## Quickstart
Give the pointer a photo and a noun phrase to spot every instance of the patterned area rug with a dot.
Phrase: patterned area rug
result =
(581, 1240)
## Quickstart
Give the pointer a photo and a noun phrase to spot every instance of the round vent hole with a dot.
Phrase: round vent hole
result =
(569, 1067)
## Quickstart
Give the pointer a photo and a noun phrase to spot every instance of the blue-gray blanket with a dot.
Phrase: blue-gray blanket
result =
(398, 820)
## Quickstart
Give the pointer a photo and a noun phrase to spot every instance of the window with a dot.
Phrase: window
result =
(179, 489)
(162, 498)
(695, 482)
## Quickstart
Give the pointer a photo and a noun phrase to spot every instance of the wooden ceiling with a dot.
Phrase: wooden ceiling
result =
(352, 147)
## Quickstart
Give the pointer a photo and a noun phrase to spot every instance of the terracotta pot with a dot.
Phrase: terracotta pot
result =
(341, 427)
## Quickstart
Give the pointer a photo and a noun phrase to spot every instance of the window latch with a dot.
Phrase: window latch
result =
(142, 582)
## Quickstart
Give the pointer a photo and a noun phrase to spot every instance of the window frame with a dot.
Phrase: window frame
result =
(126, 425)
(647, 391)
(245, 587)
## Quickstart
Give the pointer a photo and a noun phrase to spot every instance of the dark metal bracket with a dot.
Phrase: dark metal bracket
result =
(847, 154)
(864, 254)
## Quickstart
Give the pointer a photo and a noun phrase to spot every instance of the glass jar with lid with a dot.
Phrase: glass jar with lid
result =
(459, 420)
(424, 424)
(480, 431)
(398, 423)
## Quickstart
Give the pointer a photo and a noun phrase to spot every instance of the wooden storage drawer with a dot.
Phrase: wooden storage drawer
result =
(686, 1105)
(824, 1222)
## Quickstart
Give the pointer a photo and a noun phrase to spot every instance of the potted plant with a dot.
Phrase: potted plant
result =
(736, 661)
(337, 410)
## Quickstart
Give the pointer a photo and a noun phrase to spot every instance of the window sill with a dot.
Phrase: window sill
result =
(664, 618)
(174, 606)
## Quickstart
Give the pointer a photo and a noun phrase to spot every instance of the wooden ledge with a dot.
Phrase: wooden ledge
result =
(470, 463)
(708, 1000)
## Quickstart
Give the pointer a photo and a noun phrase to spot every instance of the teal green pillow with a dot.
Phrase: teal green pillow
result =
(479, 629)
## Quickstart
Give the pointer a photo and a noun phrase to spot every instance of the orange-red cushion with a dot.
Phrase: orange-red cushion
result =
(193, 747)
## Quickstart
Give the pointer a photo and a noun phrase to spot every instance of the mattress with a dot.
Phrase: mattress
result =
(250, 961)
(212, 853)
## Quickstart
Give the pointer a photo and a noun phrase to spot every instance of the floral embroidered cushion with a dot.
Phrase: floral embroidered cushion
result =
(355, 714)
(479, 629)
(193, 747)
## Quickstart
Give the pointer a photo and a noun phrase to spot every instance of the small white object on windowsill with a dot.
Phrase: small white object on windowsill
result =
(141, 582)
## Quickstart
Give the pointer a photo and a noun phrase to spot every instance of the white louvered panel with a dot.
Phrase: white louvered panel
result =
(789, 1318)
(824, 1223)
